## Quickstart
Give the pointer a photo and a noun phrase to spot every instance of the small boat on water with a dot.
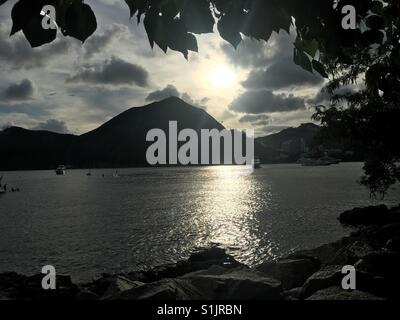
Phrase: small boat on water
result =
(89, 173)
(61, 171)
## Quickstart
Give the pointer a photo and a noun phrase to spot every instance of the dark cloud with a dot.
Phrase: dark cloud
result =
(24, 90)
(171, 91)
(34, 109)
(264, 101)
(167, 92)
(99, 42)
(104, 102)
(16, 53)
(52, 125)
(256, 119)
(113, 72)
(324, 98)
(258, 54)
(271, 63)
(282, 74)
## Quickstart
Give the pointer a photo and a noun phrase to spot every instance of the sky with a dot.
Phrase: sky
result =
(70, 87)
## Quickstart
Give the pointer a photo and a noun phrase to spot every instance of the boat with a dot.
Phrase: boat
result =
(89, 174)
(61, 171)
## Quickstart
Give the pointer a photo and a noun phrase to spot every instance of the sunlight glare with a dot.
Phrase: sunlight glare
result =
(222, 76)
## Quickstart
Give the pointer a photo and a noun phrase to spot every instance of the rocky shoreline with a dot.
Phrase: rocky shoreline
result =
(373, 249)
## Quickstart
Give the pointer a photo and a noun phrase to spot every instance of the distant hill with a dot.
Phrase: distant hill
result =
(27, 149)
(287, 145)
(120, 142)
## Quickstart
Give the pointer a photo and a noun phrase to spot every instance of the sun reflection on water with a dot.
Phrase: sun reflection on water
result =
(225, 215)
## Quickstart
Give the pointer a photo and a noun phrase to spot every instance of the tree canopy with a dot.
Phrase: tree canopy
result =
(367, 55)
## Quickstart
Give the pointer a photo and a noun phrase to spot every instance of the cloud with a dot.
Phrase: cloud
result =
(52, 125)
(271, 64)
(264, 101)
(25, 90)
(171, 91)
(256, 119)
(113, 72)
(324, 98)
(282, 74)
(99, 42)
(16, 53)
(255, 54)
(33, 110)
(167, 92)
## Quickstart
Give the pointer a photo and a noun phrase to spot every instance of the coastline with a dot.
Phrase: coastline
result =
(373, 248)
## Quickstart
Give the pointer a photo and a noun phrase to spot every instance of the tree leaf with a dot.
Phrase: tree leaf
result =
(22, 12)
(2, 2)
(373, 36)
(375, 22)
(310, 47)
(80, 21)
(137, 6)
(35, 34)
(302, 60)
(319, 67)
(229, 26)
(197, 16)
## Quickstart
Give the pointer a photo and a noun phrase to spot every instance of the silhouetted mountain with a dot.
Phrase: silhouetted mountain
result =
(287, 145)
(27, 149)
(119, 142)
(122, 140)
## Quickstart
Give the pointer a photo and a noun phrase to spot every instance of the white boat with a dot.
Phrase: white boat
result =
(61, 170)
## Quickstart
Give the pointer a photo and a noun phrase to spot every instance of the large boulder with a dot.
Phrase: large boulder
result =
(337, 293)
(167, 289)
(237, 284)
(352, 253)
(118, 284)
(373, 215)
(200, 260)
(393, 244)
(323, 254)
(332, 276)
(291, 273)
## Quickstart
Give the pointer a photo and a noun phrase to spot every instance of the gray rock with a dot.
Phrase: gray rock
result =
(293, 294)
(328, 276)
(331, 276)
(337, 293)
(350, 254)
(291, 273)
(238, 284)
(323, 254)
(167, 289)
(213, 271)
(372, 215)
(393, 244)
(385, 233)
(119, 284)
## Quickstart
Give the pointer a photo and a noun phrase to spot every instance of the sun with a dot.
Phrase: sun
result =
(221, 76)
